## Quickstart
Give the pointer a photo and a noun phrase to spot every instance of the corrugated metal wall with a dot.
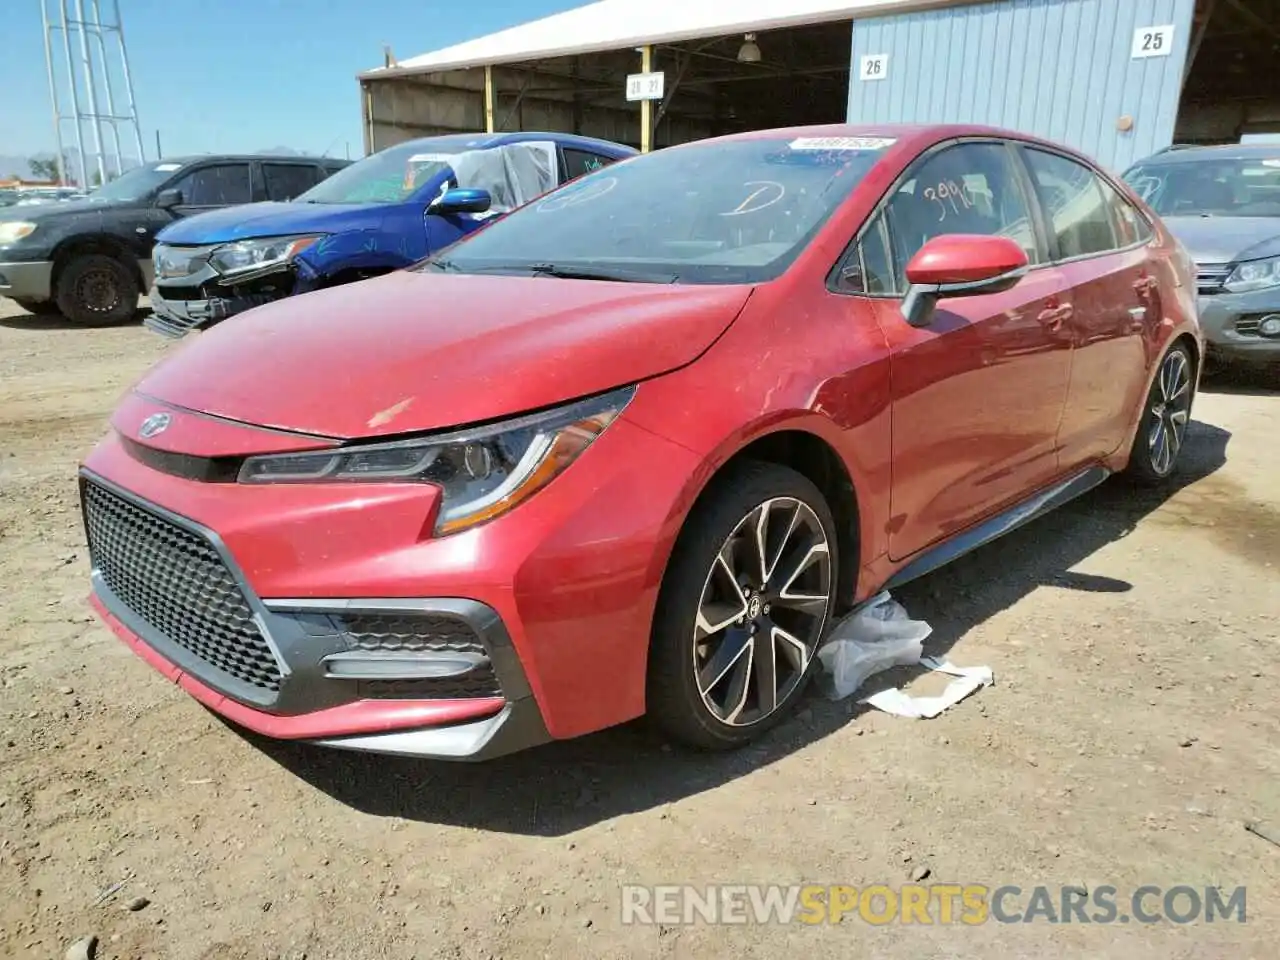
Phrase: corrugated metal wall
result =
(1062, 69)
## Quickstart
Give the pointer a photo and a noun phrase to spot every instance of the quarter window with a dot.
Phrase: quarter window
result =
(1078, 213)
(967, 188)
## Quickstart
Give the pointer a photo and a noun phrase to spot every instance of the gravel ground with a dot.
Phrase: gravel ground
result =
(1133, 729)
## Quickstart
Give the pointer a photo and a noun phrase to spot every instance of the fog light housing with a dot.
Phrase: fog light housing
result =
(1269, 326)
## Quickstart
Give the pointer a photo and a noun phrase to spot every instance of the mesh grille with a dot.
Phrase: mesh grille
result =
(411, 632)
(175, 581)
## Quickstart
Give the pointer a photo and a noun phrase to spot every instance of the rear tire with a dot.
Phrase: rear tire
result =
(41, 308)
(743, 607)
(1166, 414)
(97, 291)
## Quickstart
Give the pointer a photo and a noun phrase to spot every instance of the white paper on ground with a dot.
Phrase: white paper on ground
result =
(967, 680)
(878, 635)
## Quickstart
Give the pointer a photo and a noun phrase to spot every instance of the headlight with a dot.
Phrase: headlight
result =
(15, 230)
(244, 255)
(1254, 275)
(483, 472)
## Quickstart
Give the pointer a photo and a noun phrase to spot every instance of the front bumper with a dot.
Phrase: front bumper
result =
(1230, 324)
(176, 318)
(27, 281)
(557, 596)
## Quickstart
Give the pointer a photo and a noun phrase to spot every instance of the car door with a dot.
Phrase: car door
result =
(1113, 296)
(977, 393)
(214, 186)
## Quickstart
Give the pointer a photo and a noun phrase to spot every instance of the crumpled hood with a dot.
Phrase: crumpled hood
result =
(1227, 239)
(413, 351)
(271, 220)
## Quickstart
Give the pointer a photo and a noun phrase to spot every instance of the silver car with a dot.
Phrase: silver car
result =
(1223, 204)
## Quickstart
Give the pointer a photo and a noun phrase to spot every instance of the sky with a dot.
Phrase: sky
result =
(242, 75)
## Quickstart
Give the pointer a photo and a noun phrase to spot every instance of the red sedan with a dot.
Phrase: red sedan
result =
(633, 448)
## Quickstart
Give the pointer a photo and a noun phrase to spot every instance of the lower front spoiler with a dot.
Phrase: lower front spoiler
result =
(469, 730)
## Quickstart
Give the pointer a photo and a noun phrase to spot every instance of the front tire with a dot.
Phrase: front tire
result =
(1165, 417)
(97, 291)
(743, 608)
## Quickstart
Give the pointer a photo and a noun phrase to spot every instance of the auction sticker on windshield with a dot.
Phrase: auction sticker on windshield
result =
(842, 143)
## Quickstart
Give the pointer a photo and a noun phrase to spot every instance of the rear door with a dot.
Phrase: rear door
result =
(214, 186)
(1098, 241)
(578, 163)
(285, 181)
(977, 394)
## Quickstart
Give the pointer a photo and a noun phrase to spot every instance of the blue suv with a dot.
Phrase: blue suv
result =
(385, 212)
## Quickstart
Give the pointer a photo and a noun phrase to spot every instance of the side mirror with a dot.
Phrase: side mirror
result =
(169, 198)
(960, 265)
(462, 200)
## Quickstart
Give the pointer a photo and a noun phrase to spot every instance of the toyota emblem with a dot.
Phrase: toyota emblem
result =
(155, 424)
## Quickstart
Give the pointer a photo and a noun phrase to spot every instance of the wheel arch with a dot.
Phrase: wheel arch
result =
(813, 456)
(88, 244)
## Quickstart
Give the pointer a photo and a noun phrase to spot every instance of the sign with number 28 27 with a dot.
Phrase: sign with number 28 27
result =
(645, 86)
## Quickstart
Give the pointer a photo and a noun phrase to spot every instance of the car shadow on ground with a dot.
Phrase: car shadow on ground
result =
(565, 786)
(56, 321)
(1252, 381)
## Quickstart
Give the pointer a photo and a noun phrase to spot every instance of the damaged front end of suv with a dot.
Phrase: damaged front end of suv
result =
(196, 287)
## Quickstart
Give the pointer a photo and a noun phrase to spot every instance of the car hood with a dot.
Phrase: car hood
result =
(35, 212)
(414, 351)
(271, 220)
(1227, 239)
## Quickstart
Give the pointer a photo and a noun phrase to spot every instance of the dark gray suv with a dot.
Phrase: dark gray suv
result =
(1223, 204)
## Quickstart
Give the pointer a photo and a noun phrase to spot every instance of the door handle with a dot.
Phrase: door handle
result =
(1054, 314)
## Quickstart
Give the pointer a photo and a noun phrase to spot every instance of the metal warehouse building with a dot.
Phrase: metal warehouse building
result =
(1118, 79)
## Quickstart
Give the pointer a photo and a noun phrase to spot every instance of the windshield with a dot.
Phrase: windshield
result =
(513, 174)
(1211, 187)
(137, 183)
(736, 211)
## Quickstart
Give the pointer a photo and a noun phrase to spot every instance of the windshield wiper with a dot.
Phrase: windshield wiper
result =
(593, 273)
(446, 265)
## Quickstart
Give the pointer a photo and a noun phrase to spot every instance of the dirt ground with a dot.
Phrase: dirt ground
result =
(1133, 727)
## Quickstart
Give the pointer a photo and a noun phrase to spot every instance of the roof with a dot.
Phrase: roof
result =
(486, 141)
(1223, 151)
(619, 24)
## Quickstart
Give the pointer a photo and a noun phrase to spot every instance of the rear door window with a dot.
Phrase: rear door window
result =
(217, 186)
(1078, 212)
(578, 163)
(287, 180)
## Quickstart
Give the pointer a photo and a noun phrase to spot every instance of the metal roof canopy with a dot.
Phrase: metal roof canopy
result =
(623, 24)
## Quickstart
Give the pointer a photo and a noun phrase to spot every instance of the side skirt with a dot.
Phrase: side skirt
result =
(988, 530)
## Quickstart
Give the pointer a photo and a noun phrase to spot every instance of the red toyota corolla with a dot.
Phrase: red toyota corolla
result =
(634, 447)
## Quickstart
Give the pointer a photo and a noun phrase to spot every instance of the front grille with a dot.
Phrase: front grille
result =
(1211, 276)
(420, 633)
(175, 581)
(1247, 326)
(476, 684)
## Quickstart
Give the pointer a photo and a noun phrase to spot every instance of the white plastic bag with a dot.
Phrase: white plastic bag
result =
(876, 636)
